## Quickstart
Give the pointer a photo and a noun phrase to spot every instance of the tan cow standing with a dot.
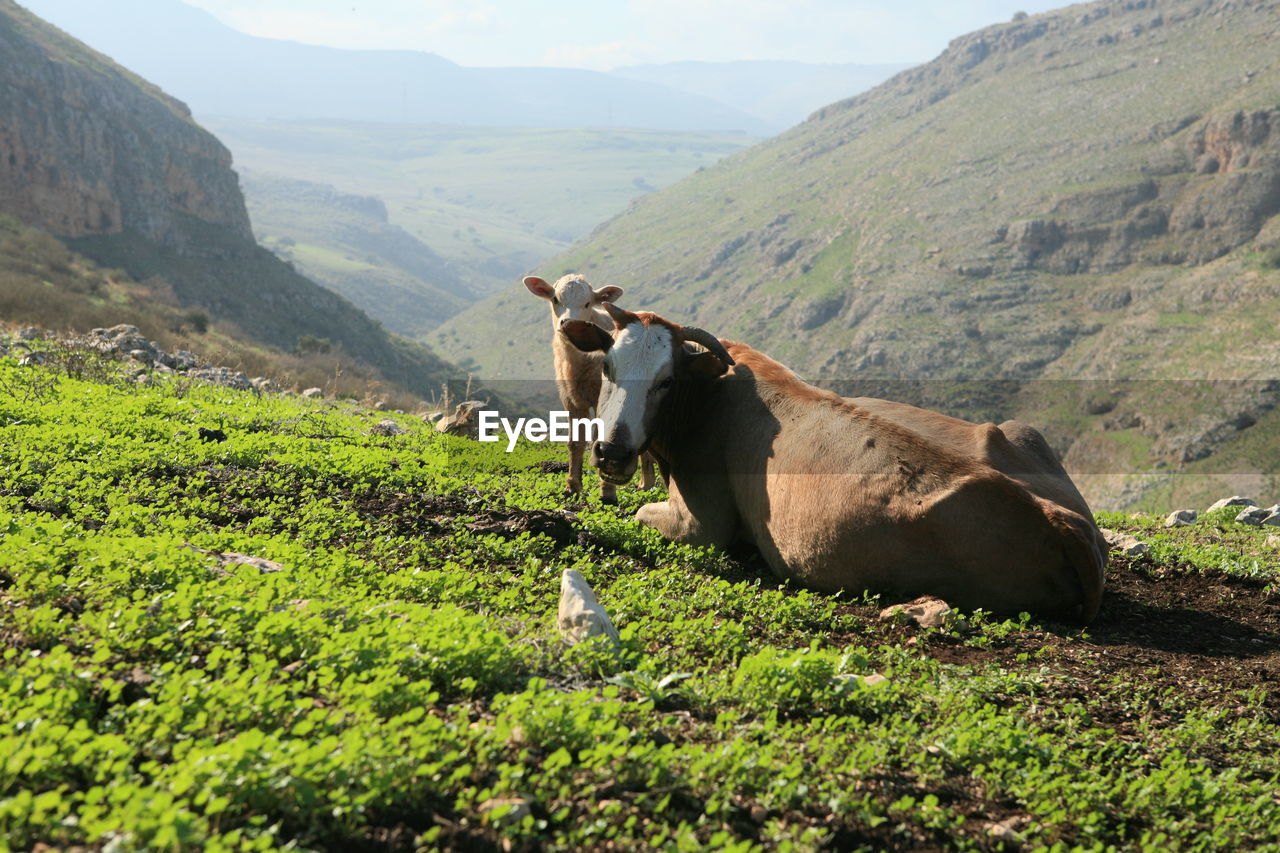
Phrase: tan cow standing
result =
(841, 494)
(578, 373)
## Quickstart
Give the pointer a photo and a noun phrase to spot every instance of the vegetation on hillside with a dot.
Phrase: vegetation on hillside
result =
(346, 243)
(392, 677)
(1088, 193)
(493, 201)
(43, 284)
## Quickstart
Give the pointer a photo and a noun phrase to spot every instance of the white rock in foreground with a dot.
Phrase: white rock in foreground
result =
(581, 616)
(1181, 518)
(927, 611)
(1124, 543)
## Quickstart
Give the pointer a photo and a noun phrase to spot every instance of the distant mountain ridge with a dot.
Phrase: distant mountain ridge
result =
(220, 71)
(780, 93)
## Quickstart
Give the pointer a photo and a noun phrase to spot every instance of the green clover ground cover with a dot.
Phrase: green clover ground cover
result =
(400, 682)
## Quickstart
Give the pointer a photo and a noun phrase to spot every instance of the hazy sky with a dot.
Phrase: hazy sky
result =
(603, 34)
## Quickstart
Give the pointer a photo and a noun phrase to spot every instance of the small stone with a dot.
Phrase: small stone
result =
(33, 358)
(223, 376)
(503, 811)
(848, 681)
(143, 379)
(1272, 540)
(312, 393)
(1234, 500)
(1181, 518)
(432, 417)
(1124, 543)
(28, 334)
(142, 356)
(927, 611)
(1252, 515)
(290, 669)
(387, 427)
(184, 360)
(380, 406)
(581, 616)
(263, 385)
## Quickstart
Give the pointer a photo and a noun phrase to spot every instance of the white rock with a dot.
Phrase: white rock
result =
(927, 611)
(1181, 518)
(1252, 515)
(1234, 500)
(313, 392)
(1124, 543)
(848, 681)
(581, 616)
(514, 810)
(387, 427)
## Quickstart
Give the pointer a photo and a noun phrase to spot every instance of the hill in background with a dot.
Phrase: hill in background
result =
(94, 155)
(1085, 193)
(782, 94)
(492, 203)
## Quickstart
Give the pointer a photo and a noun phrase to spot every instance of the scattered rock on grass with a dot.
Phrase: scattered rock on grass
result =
(1181, 518)
(1124, 543)
(230, 558)
(927, 611)
(387, 427)
(224, 376)
(1234, 500)
(504, 811)
(581, 616)
(463, 421)
(1252, 515)
(311, 393)
(849, 681)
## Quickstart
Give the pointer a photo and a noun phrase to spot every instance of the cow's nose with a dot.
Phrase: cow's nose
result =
(603, 451)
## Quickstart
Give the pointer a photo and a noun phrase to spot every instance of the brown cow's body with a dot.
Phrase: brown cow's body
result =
(865, 494)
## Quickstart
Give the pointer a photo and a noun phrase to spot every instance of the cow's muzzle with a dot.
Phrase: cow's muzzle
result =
(615, 462)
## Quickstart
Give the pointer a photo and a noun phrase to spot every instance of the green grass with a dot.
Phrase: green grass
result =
(402, 676)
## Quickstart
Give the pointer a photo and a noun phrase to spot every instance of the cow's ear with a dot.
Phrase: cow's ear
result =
(609, 293)
(705, 365)
(539, 287)
(587, 337)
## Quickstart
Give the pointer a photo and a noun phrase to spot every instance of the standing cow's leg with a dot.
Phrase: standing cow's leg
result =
(608, 492)
(576, 449)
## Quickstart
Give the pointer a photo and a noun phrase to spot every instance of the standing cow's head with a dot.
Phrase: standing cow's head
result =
(572, 298)
(643, 358)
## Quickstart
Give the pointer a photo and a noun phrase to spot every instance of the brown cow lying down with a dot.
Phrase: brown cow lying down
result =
(840, 494)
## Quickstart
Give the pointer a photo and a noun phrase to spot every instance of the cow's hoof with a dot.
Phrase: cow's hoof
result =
(609, 500)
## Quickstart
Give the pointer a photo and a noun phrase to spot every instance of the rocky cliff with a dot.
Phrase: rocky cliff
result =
(86, 148)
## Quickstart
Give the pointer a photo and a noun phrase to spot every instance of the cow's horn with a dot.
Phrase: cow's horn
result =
(621, 316)
(708, 340)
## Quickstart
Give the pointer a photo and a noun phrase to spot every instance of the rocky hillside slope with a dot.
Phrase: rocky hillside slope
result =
(1085, 193)
(118, 170)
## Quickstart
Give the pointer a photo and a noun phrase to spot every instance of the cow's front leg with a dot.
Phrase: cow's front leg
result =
(608, 492)
(672, 518)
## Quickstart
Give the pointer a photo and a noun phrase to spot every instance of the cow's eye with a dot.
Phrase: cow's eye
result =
(666, 383)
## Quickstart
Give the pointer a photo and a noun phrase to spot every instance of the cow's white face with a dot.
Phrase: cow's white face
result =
(572, 298)
(642, 359)
(638, 370)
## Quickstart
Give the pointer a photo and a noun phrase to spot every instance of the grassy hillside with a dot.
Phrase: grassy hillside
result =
(45, 284)
(391, 678)
(494, 202)
(1088, 193)
(345, 243)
